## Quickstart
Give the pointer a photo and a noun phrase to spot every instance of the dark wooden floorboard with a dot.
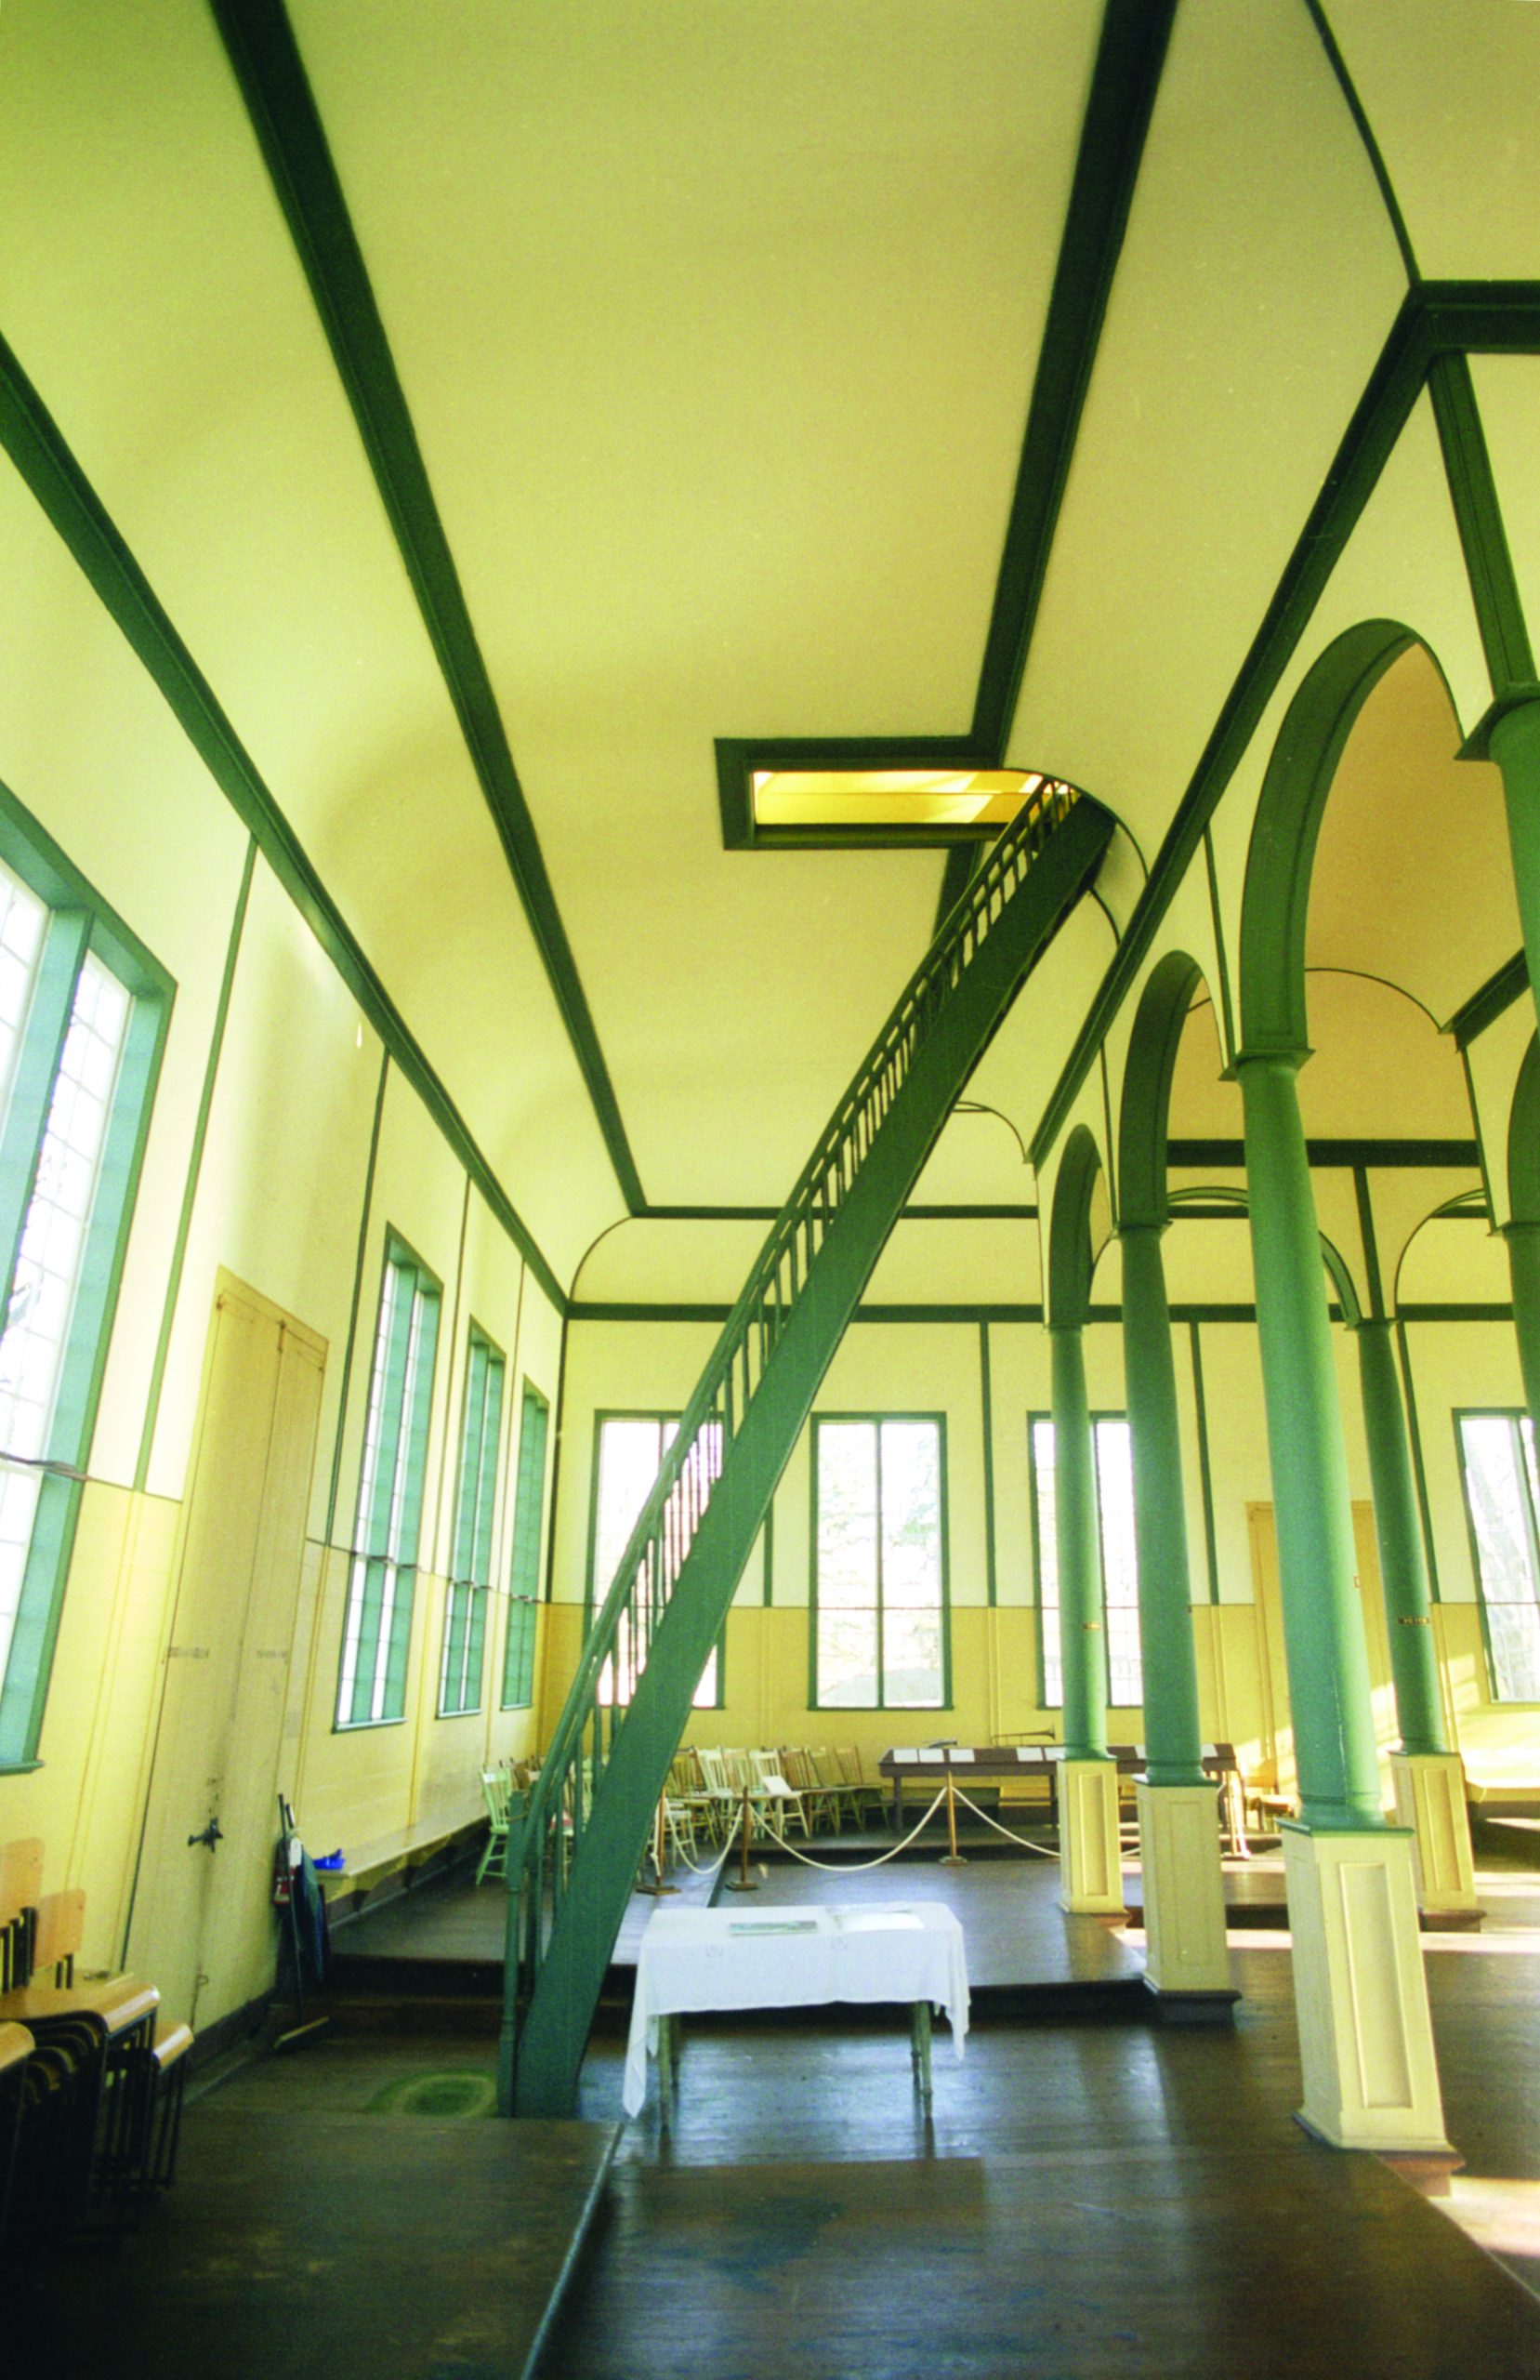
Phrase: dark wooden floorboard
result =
(302, 2244)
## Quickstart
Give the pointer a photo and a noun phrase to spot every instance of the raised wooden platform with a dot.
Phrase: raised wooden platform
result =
(300, 2241)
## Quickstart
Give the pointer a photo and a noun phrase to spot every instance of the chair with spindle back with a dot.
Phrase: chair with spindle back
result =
(821, 1799)
(16, 2047)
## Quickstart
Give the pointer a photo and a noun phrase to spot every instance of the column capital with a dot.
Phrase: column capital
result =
(1504, 723)
(1283, 1057)
(1153, 1224)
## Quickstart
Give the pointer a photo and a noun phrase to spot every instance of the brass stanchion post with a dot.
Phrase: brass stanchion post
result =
(743, 1881)
(953, 1857)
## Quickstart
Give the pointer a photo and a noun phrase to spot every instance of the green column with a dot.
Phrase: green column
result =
(1514, 744)
(1524, 1265)
(1403, 1572)
(1172, 1735)
(1328, 1667)
(1078, 1540)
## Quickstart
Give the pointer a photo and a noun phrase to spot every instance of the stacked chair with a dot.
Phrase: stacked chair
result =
(91, 2074)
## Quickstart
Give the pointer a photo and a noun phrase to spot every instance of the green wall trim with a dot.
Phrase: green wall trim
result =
(32, 440)
(194, 1168)
(1376, 1154)
(263, 52)
(1370, 1240)
(986, 1423)
(1506, 985)
(1004, 1211)
(1365, 133)
(1216, 911)
(1205, 1473)
(1413, 1431)
(1478, 516)
(1472, 1311)
(359, 1262)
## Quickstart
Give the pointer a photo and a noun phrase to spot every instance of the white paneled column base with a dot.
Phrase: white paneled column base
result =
(1090, 1855)
(1184, 1899)
(1361, 1996)
(1430, 1799)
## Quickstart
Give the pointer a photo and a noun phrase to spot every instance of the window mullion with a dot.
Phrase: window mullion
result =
(32, 1090)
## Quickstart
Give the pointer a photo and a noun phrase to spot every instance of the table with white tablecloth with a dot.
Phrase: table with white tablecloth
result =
(695, 1960)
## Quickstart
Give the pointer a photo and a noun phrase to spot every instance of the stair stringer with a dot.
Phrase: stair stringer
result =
(553, 2034)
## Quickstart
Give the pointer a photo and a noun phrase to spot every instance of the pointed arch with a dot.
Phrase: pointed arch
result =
(1070, 1259)
(1281, 856)
(1147, 1077)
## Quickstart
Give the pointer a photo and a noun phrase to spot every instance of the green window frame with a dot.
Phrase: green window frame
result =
(880, 1575)
(376, 1634)
(612, 1512)
(84, 1012)
(528, 1505)
(1115, 1502)
(464, 1659)
(1500, 1483)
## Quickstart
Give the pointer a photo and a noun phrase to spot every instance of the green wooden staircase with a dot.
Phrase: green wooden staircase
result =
(573, 1862)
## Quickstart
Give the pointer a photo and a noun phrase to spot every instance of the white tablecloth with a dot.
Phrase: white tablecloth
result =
(783, 1956)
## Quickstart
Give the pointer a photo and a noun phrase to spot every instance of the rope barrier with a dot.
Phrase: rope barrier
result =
(1041, 1849)
(859, 1867)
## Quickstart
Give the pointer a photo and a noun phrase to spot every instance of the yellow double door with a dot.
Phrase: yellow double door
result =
(202, 1925)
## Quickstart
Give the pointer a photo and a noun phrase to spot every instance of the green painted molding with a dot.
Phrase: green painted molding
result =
(1419, 1473)
(1129, 61)
(1205, 1469)
(1071, 1260)
(986, 1426)
(194, 1168)
(1477, 517)
(1003, 1211)
(1130, 55)
(35, 445)
(1332, 1155)
(1503, 986)
(260, 42)
(1365, 133)
(359, 1262)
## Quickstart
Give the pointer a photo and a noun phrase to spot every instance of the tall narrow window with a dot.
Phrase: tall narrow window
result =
(630, 1452)
(1502, 1498)
(377, 1630)
(880, 1638)
(82, 1019)
(1115, 1498)
(470, 1558)
(524, 1568)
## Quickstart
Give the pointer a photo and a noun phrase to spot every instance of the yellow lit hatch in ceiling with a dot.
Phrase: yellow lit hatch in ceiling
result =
(979, 798)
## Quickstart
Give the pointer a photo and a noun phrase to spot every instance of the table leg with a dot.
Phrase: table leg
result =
(919, 2050)
(668, 2044)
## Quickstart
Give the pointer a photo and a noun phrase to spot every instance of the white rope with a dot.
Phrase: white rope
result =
(858, 1867)
(1041, 1849)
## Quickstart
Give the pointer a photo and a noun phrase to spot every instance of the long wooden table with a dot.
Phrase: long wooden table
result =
(928, 1764)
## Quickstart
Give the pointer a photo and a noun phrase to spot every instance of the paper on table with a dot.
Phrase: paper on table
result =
(876, 1921)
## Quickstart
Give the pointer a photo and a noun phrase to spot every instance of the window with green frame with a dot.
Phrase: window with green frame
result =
(83, 1017)
(470, 1558)
(525, 1567)
(1115, 1502)
(881, 1631)
(1502, 1498)
(628, 1452)
(376, 1634)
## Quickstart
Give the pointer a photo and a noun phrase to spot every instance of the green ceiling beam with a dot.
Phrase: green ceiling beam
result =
(262, 50)
(1129, 59)
(1506, 984)
(32, 440)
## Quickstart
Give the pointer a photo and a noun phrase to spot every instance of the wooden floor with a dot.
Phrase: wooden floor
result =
(1083, 2199)
(308, 2238)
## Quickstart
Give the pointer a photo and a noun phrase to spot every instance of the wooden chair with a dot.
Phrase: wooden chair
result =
(781, 1800)
(820, 1799)
(21, 1890)
(498, 1794)
(865, 1794)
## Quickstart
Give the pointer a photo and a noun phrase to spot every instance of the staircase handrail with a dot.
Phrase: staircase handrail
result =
(972, 912)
